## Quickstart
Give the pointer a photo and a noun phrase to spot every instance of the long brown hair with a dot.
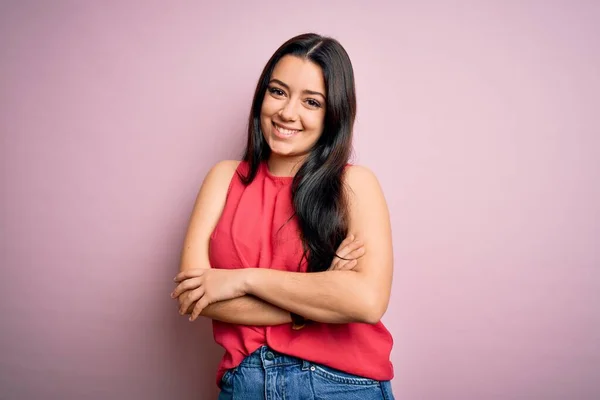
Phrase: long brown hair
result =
(317, 190)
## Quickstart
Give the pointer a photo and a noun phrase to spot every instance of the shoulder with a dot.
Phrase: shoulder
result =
(222, 171)
(360, 178)
(219, 177)
(224, 167)
(363, 190)
(213, 191)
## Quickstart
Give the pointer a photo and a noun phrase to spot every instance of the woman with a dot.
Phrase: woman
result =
(258, 226)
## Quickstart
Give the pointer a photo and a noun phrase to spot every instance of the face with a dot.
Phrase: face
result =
(293, 109)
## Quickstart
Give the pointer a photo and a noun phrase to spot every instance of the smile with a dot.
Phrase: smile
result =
(281, 131)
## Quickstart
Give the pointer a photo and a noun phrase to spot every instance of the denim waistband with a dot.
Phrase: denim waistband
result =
(265, 357)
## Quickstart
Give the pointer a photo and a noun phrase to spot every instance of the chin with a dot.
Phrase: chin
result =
(286, 147)
(281, 149)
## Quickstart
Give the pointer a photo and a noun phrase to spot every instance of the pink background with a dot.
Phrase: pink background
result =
(480, 119)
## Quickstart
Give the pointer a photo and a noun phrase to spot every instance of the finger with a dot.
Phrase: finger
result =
(200, 305)
(181, 299)
(189, 273)
(190, 309)
(343, 253)
(338, 263)
(334, 262)
(356, 254)
(183, 275)
(184, 300)
(188, 284)
(347, 246)
(337, 266)
(192, 297)
(345, 242)
(341, 265)
(347, 265)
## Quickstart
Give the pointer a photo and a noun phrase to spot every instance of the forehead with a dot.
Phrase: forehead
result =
(299, 74)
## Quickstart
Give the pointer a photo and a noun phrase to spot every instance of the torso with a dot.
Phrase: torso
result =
(257, 229)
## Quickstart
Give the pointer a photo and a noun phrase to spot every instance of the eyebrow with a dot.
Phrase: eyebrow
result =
(304, 91)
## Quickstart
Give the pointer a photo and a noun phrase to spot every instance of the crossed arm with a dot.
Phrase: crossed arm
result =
(244, 310)
(354, 292)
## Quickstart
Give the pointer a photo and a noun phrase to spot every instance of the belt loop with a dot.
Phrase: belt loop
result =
(305, 365)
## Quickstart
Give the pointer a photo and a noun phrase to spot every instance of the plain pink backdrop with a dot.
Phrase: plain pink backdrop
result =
(480, 118)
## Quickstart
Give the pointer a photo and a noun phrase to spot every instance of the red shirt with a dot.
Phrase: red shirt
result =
(255, 230)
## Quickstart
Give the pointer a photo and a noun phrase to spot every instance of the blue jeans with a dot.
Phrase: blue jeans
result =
(267, 375)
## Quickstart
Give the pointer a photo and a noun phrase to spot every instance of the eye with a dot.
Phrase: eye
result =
(276, 91)
(313, 103)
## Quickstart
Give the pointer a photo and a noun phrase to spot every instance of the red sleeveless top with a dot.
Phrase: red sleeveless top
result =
(255, 230)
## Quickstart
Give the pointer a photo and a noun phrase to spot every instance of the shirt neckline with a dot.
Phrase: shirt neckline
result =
(286, 179)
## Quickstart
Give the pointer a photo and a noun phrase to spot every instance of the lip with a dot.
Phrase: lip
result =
(277, 124)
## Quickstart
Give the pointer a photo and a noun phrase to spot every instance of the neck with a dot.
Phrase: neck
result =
(284, 166)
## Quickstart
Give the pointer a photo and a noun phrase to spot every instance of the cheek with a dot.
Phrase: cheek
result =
(314, 122)
(266, 111)
(269, 106)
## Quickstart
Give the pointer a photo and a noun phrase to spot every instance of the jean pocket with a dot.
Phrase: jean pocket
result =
(338, 376)
(228, 376)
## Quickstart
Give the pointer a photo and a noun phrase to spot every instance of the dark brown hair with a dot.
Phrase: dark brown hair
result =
(317, 190)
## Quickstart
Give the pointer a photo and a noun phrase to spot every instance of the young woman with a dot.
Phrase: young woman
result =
(289, 251)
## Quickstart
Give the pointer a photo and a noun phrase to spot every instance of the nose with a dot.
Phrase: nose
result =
(288, 111)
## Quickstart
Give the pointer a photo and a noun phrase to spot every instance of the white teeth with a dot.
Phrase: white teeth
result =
(286, 131)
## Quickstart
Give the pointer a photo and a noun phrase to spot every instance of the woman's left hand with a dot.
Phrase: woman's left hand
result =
(207, 286)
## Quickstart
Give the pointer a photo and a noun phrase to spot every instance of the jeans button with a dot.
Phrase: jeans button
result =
(269, 356)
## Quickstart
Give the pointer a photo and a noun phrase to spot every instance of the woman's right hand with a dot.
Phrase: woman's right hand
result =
(347, 254)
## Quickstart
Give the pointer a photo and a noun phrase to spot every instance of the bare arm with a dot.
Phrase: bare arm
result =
(358, 295)
(246, 310)
(210, 202)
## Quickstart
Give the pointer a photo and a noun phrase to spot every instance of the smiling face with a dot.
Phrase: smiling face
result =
(293, 109)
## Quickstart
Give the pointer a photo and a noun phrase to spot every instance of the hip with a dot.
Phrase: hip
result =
(268, 375)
